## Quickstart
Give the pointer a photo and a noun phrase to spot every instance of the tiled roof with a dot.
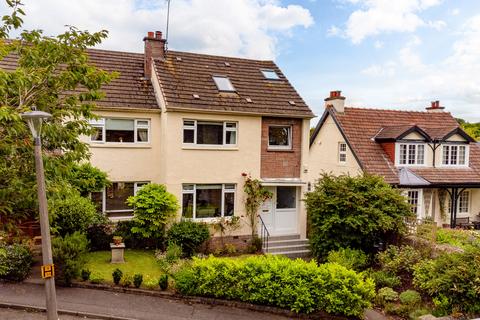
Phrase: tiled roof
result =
(361, 125)
(393, 132)
(186, 81)
(129, 90)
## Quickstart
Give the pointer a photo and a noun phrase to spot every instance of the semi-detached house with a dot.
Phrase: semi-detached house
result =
(426, 154)
(195, 123)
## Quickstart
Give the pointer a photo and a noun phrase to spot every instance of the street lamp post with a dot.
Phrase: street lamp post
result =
(34, 120)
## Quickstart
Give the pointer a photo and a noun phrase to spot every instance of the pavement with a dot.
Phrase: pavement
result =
(108, 304)
(14, 314)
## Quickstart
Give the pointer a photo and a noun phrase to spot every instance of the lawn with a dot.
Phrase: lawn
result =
(136, 261)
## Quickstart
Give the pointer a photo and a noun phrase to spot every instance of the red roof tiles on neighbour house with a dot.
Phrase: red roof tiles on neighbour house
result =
(361, 126)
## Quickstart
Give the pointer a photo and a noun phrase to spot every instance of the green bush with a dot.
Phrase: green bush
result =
(400, 260)
(452, 280)
(410, 298)
(153, 207)
(15, 262)
(163, 282)
(137, 240)
(117, 275)
(96, 278)
(458, 238)
(189, 235)
(86, 178)
(73, 213)
(386, 295)
(385, 279)
(173, 253)
(137, 280)
(127, 280)
(150, 283)
(85, 274)
(100, 236)
(349, 258)
(272, 280)
(354, 212)
(69, 256)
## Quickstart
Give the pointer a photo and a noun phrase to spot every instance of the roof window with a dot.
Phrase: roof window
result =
(223, 83)
(270, 74)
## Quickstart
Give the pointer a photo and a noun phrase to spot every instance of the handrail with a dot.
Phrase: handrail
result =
(264, 234)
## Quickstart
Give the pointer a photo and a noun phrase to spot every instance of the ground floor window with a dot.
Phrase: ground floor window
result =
(114, 198)
(414, 199)
(463, 203)
(208, 200)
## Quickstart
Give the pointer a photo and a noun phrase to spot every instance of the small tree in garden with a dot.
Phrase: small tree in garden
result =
(256, 195)
(154, 207)
(87, 179)
(354, 212)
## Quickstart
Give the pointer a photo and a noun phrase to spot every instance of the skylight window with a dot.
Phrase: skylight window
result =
(270, 74)
(223, 83)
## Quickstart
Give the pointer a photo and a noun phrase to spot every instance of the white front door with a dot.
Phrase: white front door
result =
(280, 212)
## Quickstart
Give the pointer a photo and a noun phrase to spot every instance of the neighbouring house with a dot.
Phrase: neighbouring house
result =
(426, 154)
(195, 123)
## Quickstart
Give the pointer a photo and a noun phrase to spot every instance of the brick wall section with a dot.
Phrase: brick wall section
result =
(281, 163)
(389, 148)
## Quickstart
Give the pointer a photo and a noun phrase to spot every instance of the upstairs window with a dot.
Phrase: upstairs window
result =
(209, 133)
(121, 130)
(342, 152)
(454, 155)
(223, 84)
(270, 74)
(280, 137)
(411, 154)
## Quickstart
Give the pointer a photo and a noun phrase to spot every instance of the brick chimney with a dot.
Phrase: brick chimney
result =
(435, 107)
(336, 100)
(154, 49)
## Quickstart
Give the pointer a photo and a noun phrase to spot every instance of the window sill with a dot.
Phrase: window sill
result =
(212, 148)
(120, 145)
(208, 220)
(279, 150)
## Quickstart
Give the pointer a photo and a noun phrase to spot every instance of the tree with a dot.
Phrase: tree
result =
(354, 212)
(473, 129)
(53, 74)
(154, 207)
(87, 179)
(256, 195)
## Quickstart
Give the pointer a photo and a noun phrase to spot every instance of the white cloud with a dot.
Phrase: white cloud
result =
(378, 44)
(387, 69)
(455, 12)
(333, 31)
(380, 16)
(249, 28)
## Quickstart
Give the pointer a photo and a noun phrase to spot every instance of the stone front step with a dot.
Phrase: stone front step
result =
(288, 245)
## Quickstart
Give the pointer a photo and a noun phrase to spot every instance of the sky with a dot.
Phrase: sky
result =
(390, 54)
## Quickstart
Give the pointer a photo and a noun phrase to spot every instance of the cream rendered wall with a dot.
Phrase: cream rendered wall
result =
(187, 164)
(129, 162)
(323, 156)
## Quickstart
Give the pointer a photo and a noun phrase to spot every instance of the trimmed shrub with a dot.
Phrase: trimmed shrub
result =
(150, 283)
(163, 282)
(386, 295)
(127, 280)
(117, 275)
(271, 280)
(100, 236)
(410, 298)
(349, 258)
(360, 212)
(69, 256)
(15, 262)
(137, 280)
(85, 274)
(188, 235)
(385, 279)
(96, 278)
(452, 280)
(73, 213)
(136, 240)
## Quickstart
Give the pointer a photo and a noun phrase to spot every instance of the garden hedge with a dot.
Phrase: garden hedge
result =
(278, 281)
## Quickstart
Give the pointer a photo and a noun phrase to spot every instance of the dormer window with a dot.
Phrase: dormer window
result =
(454, 155)
(411, 154)
(223, 84)
(270, 74)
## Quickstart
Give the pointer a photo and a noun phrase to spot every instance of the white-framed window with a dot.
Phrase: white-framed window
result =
(463, 203)
(113, 130)
(410, 154)
(205, 201)
(223, 83)
(218, 133)
(279, 137)
(342, 152)
(112, 200)
(454, 155)
(415, 199)
(270, 74)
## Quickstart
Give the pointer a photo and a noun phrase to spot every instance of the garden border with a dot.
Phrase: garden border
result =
(208, 301)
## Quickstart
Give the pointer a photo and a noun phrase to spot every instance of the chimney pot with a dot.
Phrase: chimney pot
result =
(150, 34)
(336, 100)
(435, 106)
(158, 35)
